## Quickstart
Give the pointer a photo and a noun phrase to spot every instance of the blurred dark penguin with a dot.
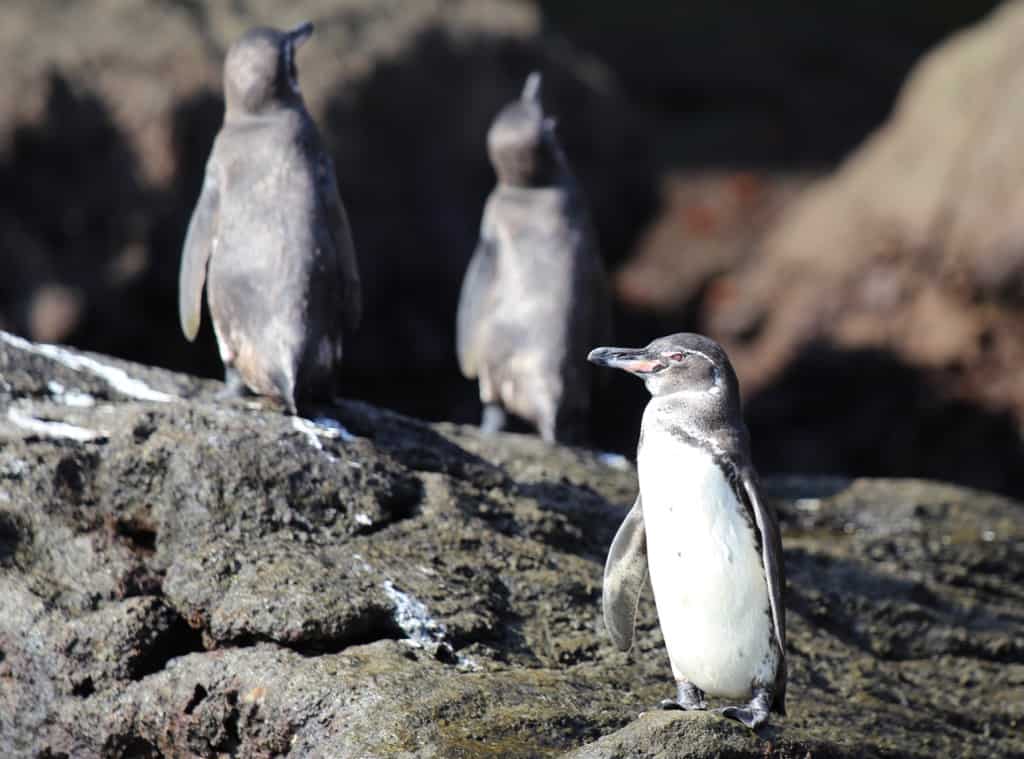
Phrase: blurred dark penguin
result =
(534, 296)
(702, 532)
(269, 236)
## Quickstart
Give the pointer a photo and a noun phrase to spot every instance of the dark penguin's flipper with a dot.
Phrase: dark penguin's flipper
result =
(690, 698)
(493, 419)
(234, 387)
(771, 550)
(625, 572)
(754, 714)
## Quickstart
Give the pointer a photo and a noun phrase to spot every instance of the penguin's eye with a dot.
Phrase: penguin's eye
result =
(677, 357)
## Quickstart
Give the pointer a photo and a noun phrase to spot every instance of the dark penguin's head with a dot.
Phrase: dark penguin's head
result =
(692, 368)
(260, 73)
(521, 142)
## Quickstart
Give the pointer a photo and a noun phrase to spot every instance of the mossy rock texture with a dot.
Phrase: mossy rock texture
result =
(182, 576)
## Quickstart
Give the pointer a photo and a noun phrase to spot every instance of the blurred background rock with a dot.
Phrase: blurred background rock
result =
(765, 172)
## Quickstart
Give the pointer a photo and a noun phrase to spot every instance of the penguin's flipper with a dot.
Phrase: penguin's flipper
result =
(771, 556)
(473, 304)
(625, 573)
(199, 243)
(341, 232)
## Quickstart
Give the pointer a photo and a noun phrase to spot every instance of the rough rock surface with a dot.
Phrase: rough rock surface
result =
(180, 576)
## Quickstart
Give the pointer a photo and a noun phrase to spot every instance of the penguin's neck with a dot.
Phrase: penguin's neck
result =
(671, 441)
(670, 415)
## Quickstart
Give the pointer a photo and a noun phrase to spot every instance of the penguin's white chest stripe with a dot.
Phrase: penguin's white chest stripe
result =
(706, 571)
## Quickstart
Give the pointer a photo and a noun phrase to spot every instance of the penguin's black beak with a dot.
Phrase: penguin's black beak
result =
(300, 34)
(632, 360)
(531, 88)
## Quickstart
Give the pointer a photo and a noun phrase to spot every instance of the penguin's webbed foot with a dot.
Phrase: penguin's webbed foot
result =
(754, 714)
(234, 387)
(493, 419)
(690, 698)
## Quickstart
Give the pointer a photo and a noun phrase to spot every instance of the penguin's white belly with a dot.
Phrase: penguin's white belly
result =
(706, 572)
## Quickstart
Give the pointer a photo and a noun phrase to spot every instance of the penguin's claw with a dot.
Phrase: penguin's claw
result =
(752, 718)
(493, 420)
(754, 714)
(690, 698)
(234, 387)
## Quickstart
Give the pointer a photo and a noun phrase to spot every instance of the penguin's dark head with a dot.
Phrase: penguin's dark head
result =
(684, 363)
(260, 71)
(521, 142)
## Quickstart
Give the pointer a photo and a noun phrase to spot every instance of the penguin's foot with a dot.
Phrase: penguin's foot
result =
(234, 387)
(548, 429)
(493, 419)
(690, 698)
(754, 714)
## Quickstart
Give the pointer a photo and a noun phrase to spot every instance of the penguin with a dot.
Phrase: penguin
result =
(534, 295)
(702, 532)
(269, 237)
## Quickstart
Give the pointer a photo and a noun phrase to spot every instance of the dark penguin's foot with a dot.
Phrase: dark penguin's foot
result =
(690, 698)
(233, 385)
(493, 419)
(754, 714)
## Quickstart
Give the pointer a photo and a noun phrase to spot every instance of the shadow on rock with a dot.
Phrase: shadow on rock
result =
(73, 227)
(868, 413)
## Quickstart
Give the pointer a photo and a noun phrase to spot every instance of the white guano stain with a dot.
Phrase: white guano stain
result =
(321, 427)
(414, 618)
(73, 398)
(53, 429)
(333, 428)
(421, 629)
(613, 460)
(116, 378)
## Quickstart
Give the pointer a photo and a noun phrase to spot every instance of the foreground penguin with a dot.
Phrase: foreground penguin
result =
(534, 295)
(270, 234)
(701, 529)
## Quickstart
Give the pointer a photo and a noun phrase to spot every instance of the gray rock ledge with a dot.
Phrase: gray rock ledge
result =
(180, 576)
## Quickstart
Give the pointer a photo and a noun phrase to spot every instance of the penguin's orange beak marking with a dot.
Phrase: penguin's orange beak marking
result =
(632, 360)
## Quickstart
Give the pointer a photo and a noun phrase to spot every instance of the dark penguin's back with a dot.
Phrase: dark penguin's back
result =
(276, 284)
(270, 234)
(535, 297)
(550, 305)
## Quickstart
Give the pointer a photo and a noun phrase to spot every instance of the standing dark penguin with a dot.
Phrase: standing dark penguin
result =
(534, 295)
(270, 234)
(700, 528)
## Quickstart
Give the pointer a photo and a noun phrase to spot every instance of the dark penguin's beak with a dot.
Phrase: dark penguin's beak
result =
(632, 360)
(531, 89)
(300, 34)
